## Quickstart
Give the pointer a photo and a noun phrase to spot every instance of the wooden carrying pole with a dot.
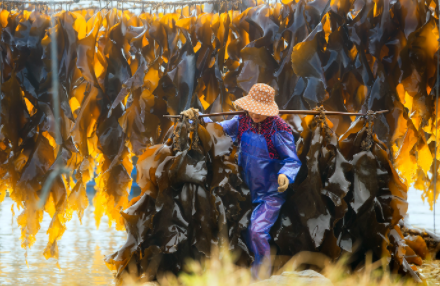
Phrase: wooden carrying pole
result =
(300, 112)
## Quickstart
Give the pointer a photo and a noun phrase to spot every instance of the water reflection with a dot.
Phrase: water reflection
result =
(83, 246)
(81, 249)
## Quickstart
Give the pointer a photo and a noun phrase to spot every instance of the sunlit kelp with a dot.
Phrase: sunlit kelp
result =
(120, 72)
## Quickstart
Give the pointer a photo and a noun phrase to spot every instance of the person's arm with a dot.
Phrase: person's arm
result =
(285, 145)
(229, 126)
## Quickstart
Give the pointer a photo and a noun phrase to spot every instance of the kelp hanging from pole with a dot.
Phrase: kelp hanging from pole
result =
(347, 199)
(120, 72)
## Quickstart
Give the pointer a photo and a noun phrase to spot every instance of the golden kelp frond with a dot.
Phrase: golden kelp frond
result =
(120, 72)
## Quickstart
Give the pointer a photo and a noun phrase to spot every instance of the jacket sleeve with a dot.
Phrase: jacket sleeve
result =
(229, 126)
(285, 145)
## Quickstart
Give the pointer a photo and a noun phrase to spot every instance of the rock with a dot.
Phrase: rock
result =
(288, 278)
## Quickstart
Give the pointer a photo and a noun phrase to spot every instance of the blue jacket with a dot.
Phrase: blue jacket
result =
(283, 141)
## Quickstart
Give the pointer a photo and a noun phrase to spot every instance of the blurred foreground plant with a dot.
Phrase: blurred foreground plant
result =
(221, 270)
(218, 271)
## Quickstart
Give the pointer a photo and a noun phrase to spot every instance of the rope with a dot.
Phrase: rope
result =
(195, 143)
(368, 142)
(321, 119)
(177, 139)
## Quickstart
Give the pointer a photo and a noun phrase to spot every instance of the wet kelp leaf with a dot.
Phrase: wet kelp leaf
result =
(35, 146)
(147, 165)
(356, 216)
(418, 245)
(137, 122)
(293, 30)
(26, 190)
(308, 219)
(114, 181)
(78, 200)
(14, 116)
(115, 166)
(66, 38)
(138, 223)
(258, 66)
(90, 98)
(401, 252)
(229, 196)
(306, 63)
(44, 150)
(378, 199)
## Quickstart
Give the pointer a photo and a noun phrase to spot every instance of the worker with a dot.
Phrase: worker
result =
(268, 160)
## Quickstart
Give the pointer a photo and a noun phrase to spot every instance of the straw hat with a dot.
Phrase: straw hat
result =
(260, 100)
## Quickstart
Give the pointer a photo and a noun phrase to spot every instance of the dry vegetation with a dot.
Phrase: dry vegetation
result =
(223, 272)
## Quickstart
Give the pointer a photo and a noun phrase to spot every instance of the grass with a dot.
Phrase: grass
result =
(223, 272)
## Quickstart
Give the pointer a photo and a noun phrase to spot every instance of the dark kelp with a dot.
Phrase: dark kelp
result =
(310, 219)
(193, 199)
(377, 201)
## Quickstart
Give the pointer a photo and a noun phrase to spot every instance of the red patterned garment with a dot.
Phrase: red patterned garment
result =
(264, 128)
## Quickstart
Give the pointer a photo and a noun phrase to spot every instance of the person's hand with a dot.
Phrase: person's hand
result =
(283, 183)
(191, 113)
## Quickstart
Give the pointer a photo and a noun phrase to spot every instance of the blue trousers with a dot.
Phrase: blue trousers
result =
(263, 218)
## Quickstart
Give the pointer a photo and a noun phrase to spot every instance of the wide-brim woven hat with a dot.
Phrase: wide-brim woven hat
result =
(259, 100)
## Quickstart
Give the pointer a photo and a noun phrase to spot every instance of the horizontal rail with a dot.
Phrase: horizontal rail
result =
(38, 2)
(174, 3)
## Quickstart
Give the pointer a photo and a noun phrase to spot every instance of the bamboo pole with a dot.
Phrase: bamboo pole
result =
(59, 167)
(299, 112)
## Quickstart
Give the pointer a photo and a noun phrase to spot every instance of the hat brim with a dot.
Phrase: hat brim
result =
(248, 104)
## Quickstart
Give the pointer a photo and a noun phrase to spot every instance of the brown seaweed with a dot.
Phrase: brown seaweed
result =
(378, 199)
(177, 216)
(119, 73)
(308, 219)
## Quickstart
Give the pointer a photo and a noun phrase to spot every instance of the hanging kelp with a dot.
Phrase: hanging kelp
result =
(310, 218)
(377, 200)
(347, 199)
(120, 72)
(193, 198)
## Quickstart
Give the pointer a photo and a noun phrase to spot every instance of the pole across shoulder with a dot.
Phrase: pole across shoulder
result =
(299, 112)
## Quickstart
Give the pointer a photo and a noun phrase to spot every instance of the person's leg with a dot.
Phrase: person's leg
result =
(262, 219)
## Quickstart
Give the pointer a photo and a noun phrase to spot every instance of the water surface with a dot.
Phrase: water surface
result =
(81, 252)
(419, 214)
(82, 248)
